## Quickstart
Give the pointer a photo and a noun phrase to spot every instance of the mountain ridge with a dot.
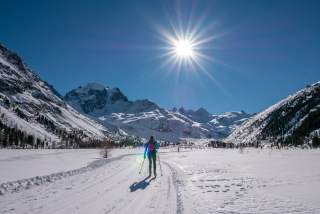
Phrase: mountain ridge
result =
(294, 120)
(32, 106)
(144, 117)
(94, 111)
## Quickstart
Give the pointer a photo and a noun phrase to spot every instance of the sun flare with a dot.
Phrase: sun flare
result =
(184, 48)
(188, 44)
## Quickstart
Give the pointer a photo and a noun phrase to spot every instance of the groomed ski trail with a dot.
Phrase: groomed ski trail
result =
(115, 187)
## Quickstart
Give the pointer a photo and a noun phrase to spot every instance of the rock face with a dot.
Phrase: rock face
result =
(201, 115)
(144, 118)
(33, 106)
(95, 99)
(294, 120)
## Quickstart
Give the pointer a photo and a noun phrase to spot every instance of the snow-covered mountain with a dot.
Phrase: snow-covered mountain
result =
(34, 107)
(95, 99)
(203, 116)
(294, 120)
(143, 117)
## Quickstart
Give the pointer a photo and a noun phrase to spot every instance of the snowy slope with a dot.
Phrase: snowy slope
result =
(144, 118)
(33, 106)
(171, 125)
(218, 126)
(293, 120)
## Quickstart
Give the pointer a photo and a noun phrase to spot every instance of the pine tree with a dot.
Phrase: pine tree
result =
(316, 141)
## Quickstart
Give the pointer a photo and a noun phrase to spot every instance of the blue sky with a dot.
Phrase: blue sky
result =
(265, 49)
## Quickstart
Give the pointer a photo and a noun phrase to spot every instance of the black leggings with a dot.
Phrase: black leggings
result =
(152, 157)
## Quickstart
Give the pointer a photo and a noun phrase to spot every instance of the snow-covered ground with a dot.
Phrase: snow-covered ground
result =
(20, 164)
(193, 181)
(252, 181)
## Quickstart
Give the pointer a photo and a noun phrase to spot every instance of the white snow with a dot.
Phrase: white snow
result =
(254, 181)
(193, 181)
(21, 164)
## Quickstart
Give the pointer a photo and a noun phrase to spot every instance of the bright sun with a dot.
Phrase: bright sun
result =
(187, 45)
(184, 48)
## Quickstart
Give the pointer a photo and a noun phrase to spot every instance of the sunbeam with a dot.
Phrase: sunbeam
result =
(186, 46)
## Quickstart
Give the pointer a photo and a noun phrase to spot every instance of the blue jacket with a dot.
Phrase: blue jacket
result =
(146, 151)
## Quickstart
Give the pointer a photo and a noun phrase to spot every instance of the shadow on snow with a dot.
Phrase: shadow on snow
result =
(140, 185)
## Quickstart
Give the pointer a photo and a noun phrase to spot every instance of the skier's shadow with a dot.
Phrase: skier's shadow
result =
(140, 185)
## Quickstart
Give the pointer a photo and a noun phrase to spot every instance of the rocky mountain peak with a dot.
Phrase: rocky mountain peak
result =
(12, 58)
(97, 99)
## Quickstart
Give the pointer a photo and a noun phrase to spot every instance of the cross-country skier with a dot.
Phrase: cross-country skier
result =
(151, 151)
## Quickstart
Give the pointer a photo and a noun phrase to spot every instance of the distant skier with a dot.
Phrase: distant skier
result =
(151, 151)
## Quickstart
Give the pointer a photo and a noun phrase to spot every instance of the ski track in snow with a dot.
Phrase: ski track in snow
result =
(105, 189)
(199, 181)
(19, 185)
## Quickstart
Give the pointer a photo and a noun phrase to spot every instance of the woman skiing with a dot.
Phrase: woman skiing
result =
(151, 151)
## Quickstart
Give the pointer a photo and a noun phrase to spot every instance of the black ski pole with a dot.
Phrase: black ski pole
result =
(160, 164)
(141, 166)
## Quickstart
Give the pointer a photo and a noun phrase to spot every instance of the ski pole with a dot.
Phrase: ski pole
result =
(160, 164)
(141, 166)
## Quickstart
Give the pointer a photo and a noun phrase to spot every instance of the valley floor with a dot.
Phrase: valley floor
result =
(193, 181)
